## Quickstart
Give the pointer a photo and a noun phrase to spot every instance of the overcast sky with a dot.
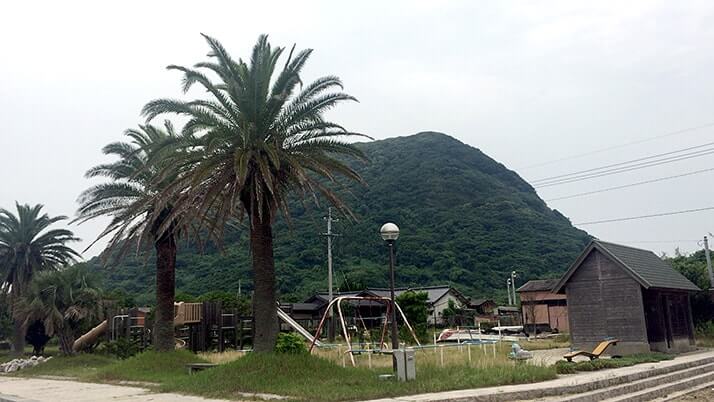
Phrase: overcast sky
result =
(526, 82)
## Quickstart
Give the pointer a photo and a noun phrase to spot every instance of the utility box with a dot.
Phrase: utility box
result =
(406, 364)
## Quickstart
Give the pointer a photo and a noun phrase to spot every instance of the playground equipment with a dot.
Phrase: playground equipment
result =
(338, 300)
(199, 327)
(297, 327)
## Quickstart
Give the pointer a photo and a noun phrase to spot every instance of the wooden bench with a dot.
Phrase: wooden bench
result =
(199, 366)
(596, 353)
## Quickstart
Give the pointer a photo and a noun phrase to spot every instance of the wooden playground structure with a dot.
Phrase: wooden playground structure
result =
(199, 327)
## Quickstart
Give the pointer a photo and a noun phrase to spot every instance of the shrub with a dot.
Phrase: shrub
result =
(37, 337)
(563, 367)
(705, 329)
(290, 343)
(122, 348)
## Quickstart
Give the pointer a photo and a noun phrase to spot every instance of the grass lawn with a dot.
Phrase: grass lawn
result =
(560, 341)
(310, 378)
(321, 377)
(564, 367)
(80, 366)
(149, 366)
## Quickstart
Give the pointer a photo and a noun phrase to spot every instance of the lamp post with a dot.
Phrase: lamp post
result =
(508, 290)
(390, 233)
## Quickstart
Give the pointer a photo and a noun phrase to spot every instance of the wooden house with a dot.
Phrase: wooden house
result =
(630, 294)
(542, 308)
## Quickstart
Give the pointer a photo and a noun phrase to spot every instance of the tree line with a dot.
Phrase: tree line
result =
(258, 138)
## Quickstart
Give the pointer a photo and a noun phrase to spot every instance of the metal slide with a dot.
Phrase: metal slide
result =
(297, 327)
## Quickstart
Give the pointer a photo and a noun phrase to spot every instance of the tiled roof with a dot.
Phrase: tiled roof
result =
(644, 266)
(647, 265)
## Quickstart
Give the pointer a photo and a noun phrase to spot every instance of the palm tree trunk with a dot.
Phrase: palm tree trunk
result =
(264, 299)
(165, 292)
(66, 341)
(18, 337)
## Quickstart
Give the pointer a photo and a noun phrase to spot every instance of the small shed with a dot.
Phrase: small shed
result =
(630, 294)
(542, 308)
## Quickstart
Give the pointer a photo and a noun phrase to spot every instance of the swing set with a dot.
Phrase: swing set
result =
(379, 299)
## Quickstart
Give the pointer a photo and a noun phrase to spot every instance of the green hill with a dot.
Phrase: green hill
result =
(465, 220)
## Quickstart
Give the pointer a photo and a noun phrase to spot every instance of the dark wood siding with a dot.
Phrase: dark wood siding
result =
(669, 325)
(604, 301)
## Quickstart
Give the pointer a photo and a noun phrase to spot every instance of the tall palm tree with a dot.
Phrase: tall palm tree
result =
(260, 137)
(27, 246)
(63, 301)
(130, 197)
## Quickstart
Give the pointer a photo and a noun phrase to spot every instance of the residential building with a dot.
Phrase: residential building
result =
(543, 310)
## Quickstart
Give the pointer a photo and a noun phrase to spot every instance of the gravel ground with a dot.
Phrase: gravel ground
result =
(703, 395)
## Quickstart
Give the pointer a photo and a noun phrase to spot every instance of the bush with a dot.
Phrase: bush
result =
(122, 348)
(37, 337)
(705, 329)
(291, 343)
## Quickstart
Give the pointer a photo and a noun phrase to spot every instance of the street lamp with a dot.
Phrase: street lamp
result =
(390, 233)
(508, 290)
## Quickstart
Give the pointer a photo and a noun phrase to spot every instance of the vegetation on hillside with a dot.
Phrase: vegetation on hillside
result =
(465, 220)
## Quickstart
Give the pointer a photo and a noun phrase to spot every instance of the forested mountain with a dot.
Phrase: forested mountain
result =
(465, 220)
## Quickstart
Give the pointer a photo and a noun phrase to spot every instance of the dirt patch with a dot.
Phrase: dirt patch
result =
(705, 395)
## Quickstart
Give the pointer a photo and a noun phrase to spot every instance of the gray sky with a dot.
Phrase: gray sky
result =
(526, 82)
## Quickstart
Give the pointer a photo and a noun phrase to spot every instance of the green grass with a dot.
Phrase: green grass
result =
(310, 378)
(149, 366)
(564, 367)
(79, 366)
(302, 377)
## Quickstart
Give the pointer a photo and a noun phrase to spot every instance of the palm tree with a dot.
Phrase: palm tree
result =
(63, 301)
(130, 197)
(27, 246)
(260, 137)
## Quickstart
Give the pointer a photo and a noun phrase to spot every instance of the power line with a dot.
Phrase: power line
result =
(627, 168)
(686, 211)
(623, 163)
(639, 183)
(601, 150)
(656, 241)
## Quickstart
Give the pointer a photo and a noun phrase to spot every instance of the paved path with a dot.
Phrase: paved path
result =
(14, 389)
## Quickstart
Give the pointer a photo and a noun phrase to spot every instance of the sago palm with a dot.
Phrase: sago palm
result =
(130, 198)
(65, 301)
(28, 246)
(260, 137)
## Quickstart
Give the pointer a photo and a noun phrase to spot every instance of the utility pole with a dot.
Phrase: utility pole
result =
(709, 263)
(508, 290)
(513, 286)
(330, 235)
